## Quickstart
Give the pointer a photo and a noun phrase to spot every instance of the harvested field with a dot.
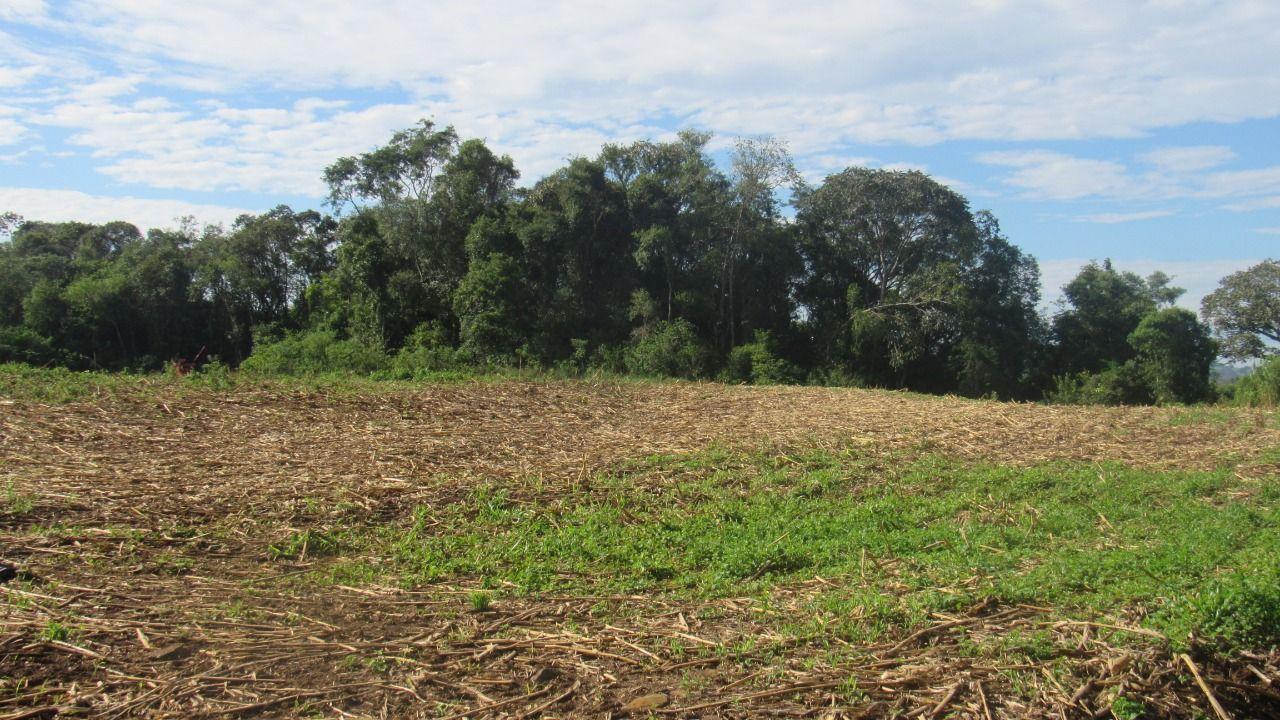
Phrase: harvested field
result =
(258, 551)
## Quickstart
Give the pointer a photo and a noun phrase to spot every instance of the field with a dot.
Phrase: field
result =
(536, 548)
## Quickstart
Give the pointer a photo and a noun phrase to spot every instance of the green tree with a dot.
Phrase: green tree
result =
(1245, 311)
(405, 168)
(258, 274)
(1174, 351)
(677, 201)
(578, 256)
(1003, 337)
(759, 167)
(490, 304)
(414, 200)
(885, 253)
(1102, 306)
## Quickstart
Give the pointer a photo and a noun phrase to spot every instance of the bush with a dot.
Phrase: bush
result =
(24, 345)
(214, 375)
(1123, 384)
(316, 351)
(610, 359)
(755, 363)
(668, 348)
(1260, 388)
(427, 353)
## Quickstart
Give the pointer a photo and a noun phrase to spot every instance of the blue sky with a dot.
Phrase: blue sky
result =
(1148, 132)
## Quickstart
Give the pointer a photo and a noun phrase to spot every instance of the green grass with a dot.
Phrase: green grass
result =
(1181, 552)
(304, 544)
(15, 502)
(1225, 416)
(55, 631)
(59, 385)
(480, 600)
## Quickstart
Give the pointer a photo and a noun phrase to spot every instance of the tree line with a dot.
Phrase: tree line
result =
(650, 258)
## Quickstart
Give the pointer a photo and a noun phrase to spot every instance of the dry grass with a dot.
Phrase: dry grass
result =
(148, 520)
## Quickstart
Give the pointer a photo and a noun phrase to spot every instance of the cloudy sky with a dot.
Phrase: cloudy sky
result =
(1148, 132)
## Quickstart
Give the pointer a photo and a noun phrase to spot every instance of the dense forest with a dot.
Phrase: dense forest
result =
(650, 258)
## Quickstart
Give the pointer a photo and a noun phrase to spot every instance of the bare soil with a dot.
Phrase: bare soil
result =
(151, 516)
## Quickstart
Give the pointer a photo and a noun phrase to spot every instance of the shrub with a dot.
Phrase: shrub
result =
(427, 353)
(24, 345)
(1124, 384)
(214, 375)
(316, 351)
(610, 359)
(755, 363)
(668, 348)
(1260, 387)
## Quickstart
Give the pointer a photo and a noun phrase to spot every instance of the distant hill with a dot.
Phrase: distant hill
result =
(1224, 373)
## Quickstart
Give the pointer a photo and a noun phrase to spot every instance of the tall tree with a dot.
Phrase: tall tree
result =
(1002, 334)
(1245, 311)
(676, 201)
(758, 168)
(1174, 352)
(576, 242)
(1101, 307)
(258, 273)
(885, 254)
(416, 198)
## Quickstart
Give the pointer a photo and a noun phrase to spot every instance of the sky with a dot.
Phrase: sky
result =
(1147, 132)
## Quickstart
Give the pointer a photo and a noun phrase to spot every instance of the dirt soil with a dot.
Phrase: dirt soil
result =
(148, 588)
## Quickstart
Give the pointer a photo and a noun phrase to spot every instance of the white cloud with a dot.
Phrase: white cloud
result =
(1056, 176)
(1263, 203)
(547, 80)
(1048, 175)
(1113, 218)
(1267, 231)
(22, 9)
(63, 205)
(1188, 159)
(1197, 277)
(18, 76)
(1236, 183)
(11, 131)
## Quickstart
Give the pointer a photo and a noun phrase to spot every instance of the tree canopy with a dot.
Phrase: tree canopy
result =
(1245, 311)
(650, 257)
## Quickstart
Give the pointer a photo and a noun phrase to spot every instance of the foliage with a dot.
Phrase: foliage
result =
(757, 363)
(668, 349)
(1123, 384)
(886, 252)
(1171, 358)
(1175, 353)
(312, 352)
(1245, 311)
(1002, 345)
(24, 345)
(1102, 306)
(1261, 387)
(648, 258)
(490, 304)
(427, 352)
